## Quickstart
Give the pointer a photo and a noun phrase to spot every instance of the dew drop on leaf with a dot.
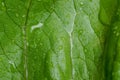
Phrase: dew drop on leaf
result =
(116, 27)
(81, 3)
(85, 50)
(114, 32)
(41, 44)
(3, 4)
(23, 16)
(27, 44)
(117, 34)
(16, 14)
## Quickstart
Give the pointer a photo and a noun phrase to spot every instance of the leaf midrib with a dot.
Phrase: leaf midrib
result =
(25, 41)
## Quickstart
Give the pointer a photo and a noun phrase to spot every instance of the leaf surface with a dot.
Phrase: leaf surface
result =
(59, 40)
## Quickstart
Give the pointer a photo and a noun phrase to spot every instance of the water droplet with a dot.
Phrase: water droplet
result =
(27, 44)
(117, 34)
(114, 32)
(117, 13)
(13, 41)
(116, 27)
(3, 4)
(23, 16)
(16, 14)
(85, 50)
(81, 3)
(41, 44)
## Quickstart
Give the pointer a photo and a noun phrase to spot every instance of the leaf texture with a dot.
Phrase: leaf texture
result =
(59, 40)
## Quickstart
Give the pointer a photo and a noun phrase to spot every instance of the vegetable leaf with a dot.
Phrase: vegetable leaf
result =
(59, 39)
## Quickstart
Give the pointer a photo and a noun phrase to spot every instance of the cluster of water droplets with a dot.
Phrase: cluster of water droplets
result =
(81, 4)
(115, 31)
(18, 15)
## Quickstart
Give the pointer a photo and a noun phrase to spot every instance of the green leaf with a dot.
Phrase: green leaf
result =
(59, 40)
(112, 48)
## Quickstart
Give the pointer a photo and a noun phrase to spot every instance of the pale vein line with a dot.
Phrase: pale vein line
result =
(71, 40)
(25, 40)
